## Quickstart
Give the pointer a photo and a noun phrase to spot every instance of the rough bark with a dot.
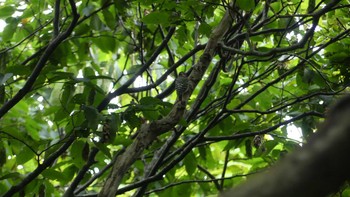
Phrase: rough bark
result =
(149, 131)
(317, 169)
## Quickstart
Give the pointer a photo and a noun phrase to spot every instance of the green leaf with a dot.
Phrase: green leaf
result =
(276, 6)
(131, 119)
(104, 149)
(183, 122)
(88, 72)
(61, 114)
(181, 190)
(150, 114)
(226, 125)
(205, 28)
(9, 31)
(58, 75)
(70, 171)
(75, 151)
(269, 145)
(229, 145)
(24, 156)
(122, 140)
(190, 163)
(10, 175)
(67, 94)
(79, 99)
(82, 29)
(202, 152)
(88, 10)
(109, 18)
(246, 5)
(33, 128)
(115, 122)
(19, 70)
(225, 81)
(149, 101)
(106, 44)
(92, 117)
(54, 175)
(7, 11)
(96, 23)
(157, 17)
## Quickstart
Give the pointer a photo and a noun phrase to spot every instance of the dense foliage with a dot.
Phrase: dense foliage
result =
(80, 80)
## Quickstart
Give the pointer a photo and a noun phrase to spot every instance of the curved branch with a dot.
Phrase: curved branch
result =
(149, 131)
(264, 131)
(166, 74)
(124, 87)
(41, 63)
(31, 176)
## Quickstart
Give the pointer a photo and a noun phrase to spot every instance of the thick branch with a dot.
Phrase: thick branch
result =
(149, 131)
(317, 169)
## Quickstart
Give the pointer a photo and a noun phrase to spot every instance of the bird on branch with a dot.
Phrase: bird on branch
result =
(181, 85)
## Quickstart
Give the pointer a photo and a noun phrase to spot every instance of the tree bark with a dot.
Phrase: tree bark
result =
(149, 131)
(317, 169)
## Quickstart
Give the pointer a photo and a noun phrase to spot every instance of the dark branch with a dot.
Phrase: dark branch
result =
(41, 63)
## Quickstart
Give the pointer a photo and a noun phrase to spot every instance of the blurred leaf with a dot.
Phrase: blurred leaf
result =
(103, 148)
(150, 114)
(3, 154)
(205, 28)
(85, 152)
(92, 117)
(7, 11)
(106, 44)
(190, 163)
(109, 18)
(96, 23)
(54, 175)
(248, 148)
(11, 175)
(202, 153)
(88, 72)
(76, 152)
(4, 78)
(149, 101)
(24, 155)
(9, 30)
(67, 94)
(131, 119)
(156, 17)
(82, 29)
(70, 172)
(245, 4)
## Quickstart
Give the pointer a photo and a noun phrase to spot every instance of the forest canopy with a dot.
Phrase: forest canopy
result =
(91, 103)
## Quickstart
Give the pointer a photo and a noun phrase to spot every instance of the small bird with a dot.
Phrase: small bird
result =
(257, 141)
(181, 85)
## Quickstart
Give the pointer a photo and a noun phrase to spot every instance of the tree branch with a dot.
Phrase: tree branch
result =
(122, 88)
(31, 176)
(317, 169)
(41, 63)
(56, 19)
(149, 131)
(264, 131)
